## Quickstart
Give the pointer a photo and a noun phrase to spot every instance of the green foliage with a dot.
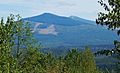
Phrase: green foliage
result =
(16, 47)
(88, 62)
(81, 62)
(111, 19)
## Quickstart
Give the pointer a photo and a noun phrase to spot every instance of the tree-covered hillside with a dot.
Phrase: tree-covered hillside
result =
(20, 53)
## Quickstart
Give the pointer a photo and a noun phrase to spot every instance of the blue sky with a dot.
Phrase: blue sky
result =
(26, 8)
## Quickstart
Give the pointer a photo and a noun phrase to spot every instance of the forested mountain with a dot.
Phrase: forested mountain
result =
(53, 30)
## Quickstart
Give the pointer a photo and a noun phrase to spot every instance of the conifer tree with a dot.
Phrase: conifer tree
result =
(88, 62)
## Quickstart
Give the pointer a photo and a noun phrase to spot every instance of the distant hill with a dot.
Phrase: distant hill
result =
(82, 20)
(55, 31)
(55, 19)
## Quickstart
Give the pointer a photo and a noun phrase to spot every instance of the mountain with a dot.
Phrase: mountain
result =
(82, 20)
(55, 19)
(55, 31)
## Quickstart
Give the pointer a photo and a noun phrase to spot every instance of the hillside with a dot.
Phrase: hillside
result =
(53, 30)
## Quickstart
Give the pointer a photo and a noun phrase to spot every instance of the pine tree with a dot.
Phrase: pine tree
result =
(88, 62)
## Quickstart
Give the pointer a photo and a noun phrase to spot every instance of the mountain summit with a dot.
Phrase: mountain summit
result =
(55, 19)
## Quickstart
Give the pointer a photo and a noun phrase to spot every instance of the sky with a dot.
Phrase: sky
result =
(87, 9)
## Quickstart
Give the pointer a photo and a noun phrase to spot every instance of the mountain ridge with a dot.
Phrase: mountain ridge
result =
(55, 19)
(54, 31)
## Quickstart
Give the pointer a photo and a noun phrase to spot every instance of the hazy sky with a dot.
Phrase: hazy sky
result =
(26, 8)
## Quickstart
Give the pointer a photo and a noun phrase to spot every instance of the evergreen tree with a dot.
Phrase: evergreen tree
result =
(88, 62)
